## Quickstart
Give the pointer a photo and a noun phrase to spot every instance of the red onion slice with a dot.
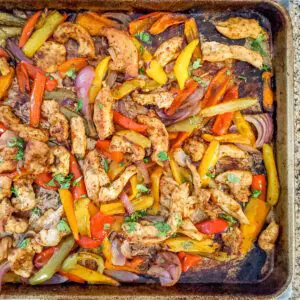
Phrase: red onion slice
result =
(13, 48)
(122, 276)
(117, 258)
(4, 268)
(143, 171)
(127, 203)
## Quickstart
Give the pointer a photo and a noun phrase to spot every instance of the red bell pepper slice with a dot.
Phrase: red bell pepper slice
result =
(100, 225)
(259, 183)
(182, 136)
(188, 260)
(78, 188)
(43, 257)
(36, 99)
(3, 128)
(42, 180)
(51, 84)
(212, 226)
(128, 123)
(3, 53)
(88, 243)
(103, 145)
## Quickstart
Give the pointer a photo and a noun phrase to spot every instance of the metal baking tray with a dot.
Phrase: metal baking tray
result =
(278, 270)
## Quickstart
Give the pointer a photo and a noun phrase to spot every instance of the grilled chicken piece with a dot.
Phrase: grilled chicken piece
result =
(215, 52)
(78, 136)
(37, 157)
(30, 133)
(161, 99)
(133, 151)
(94, 176)
(233, 239)
(68, 30)
(25, 196)
(49, 56)
(62, 160)
(131, 108)
(239, 183)
(229, 205)
(50, 237)
(49, 107)
(194, 148)
(4, 66)
(168, 50)
(20, 261)
(166, 186)
(112, 192)
(158, 135)
(103, 113)
(15, 225)
(180, 157)
(189, 229)
(232, 151)
(5, 187)
(59, 127)
(8, 155)
(6, 210)
(268, 237)
(240, 28)
(125, 55)
(5, 245)
(48, 220)
(7, 117)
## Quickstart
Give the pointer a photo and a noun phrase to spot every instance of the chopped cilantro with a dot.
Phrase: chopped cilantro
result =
(36, 211)
(266, 68)
(23, 244)
(162, 227)
(200, 81)
(79, 105)
(100, 106)
(71, 73)
(14, 191)
(131, 227)
(231, 220)
(142, 50)
(76, 181)
(121, 164)
(83, 196)
(163, 156)
(63, 226)
(134, 217)
(144, 37)
(146, 160)
(233, 178)
(64, 181)
(257, 46)
(141, 71)
(105, 165)
(141, 188)
(228, 72)
(19, 143)
(255, 193)
(194, 120)
(242, 78)
(210, 175)
(178, 220)
(106, 226)
(196, 64)
(186, 245)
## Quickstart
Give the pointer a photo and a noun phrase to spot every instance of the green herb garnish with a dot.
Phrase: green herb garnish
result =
(255, 193)
(162, 227)
(210, 175)
(146, 160)
(14, 191)
(19, 143)
(63, 181)
(141, 188)
(144, 37)
(100, 106)
(200, 81)
(266, 68)
(231, 220)
(106, 226)
(63, 226)
(105, 165)
(71, 73)
(242, 78)
(121, 164)
(79, 105)
(23, 244)
(1, 160)
(36, 211)
(228, 72)
(131, 227)
(186, 245)
(257, 46)
(193, 120)
(134, 217)
(196, 64)
(162, 156)
(142, 50)
(76, 181)
(233, 178)
(141, 71)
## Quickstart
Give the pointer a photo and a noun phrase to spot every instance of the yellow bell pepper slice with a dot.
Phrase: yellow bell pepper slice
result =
(187, 125)
(244, 127)
(229, 106)
(134, 190)
(68, 205)
(5, 82)
(93, 209)
(106, 249)
(189, 245)
(83, 216)
(227, 138)
(155, 180)
(143, 52)
(150, 85)
(41, 35)
(256, 211)
(100, 72)
(175, 169)
(126, 88)
(115, 169)
(156, 72)
(91, 276)
(181, 68)
(208, 161)
(135, 138)
(191, 33)
(273, 181)
(116, 208)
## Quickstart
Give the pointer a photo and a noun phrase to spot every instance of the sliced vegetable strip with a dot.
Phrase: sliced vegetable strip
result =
(268, 95)
(182, 136)
(78, 186)
(104, 147)
(42, 180)
(191, 33)
(128, 123)
(144, 23)
(259, 186)
(5, 82)
(75, 64)
(244, 127)
(188, 260)
(165, 22)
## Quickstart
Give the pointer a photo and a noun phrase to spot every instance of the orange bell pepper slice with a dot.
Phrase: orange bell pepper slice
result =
(5, 82)
(217, 87)
(113, 155)
(88, 243)
(259, 184)
(268, 96)
(36, 99)
(191, 86)
(223, 121)
(130, 266)
(191, 33)
(78, 188)
(188, 260)
(28, 28)
(74, 63)
(144, 22)
(165, 22)
(182, 136)
(128, 123)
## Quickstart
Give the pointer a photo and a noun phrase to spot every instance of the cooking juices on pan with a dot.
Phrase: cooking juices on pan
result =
(134, 148)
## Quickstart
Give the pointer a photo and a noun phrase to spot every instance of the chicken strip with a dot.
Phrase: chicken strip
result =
(194, 148)
(50, 237)
(232, 151)
(240, 28)
(78, 136)
(5, 245)
(103, 113)
(233, 240)
(166, 186)
(268, 237)
(94, 176)
(112, 192)
(15, 225)
(161, 100)
(189, 229)
(59, 127)
(5, 187)
(239, 183)
(62, 160)
(229, 205)
(31, 133)
(5, 211)
(125, 58)
(247, 55)
(49, 56)
(20, 261)
(7, 116)
(24, 199)
(37, 157)
(133, 151)
(168, 50)
(8, 156)
(49, 107)
(158, 135)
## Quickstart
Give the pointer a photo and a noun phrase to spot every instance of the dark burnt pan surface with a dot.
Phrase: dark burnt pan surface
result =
(257, 276)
